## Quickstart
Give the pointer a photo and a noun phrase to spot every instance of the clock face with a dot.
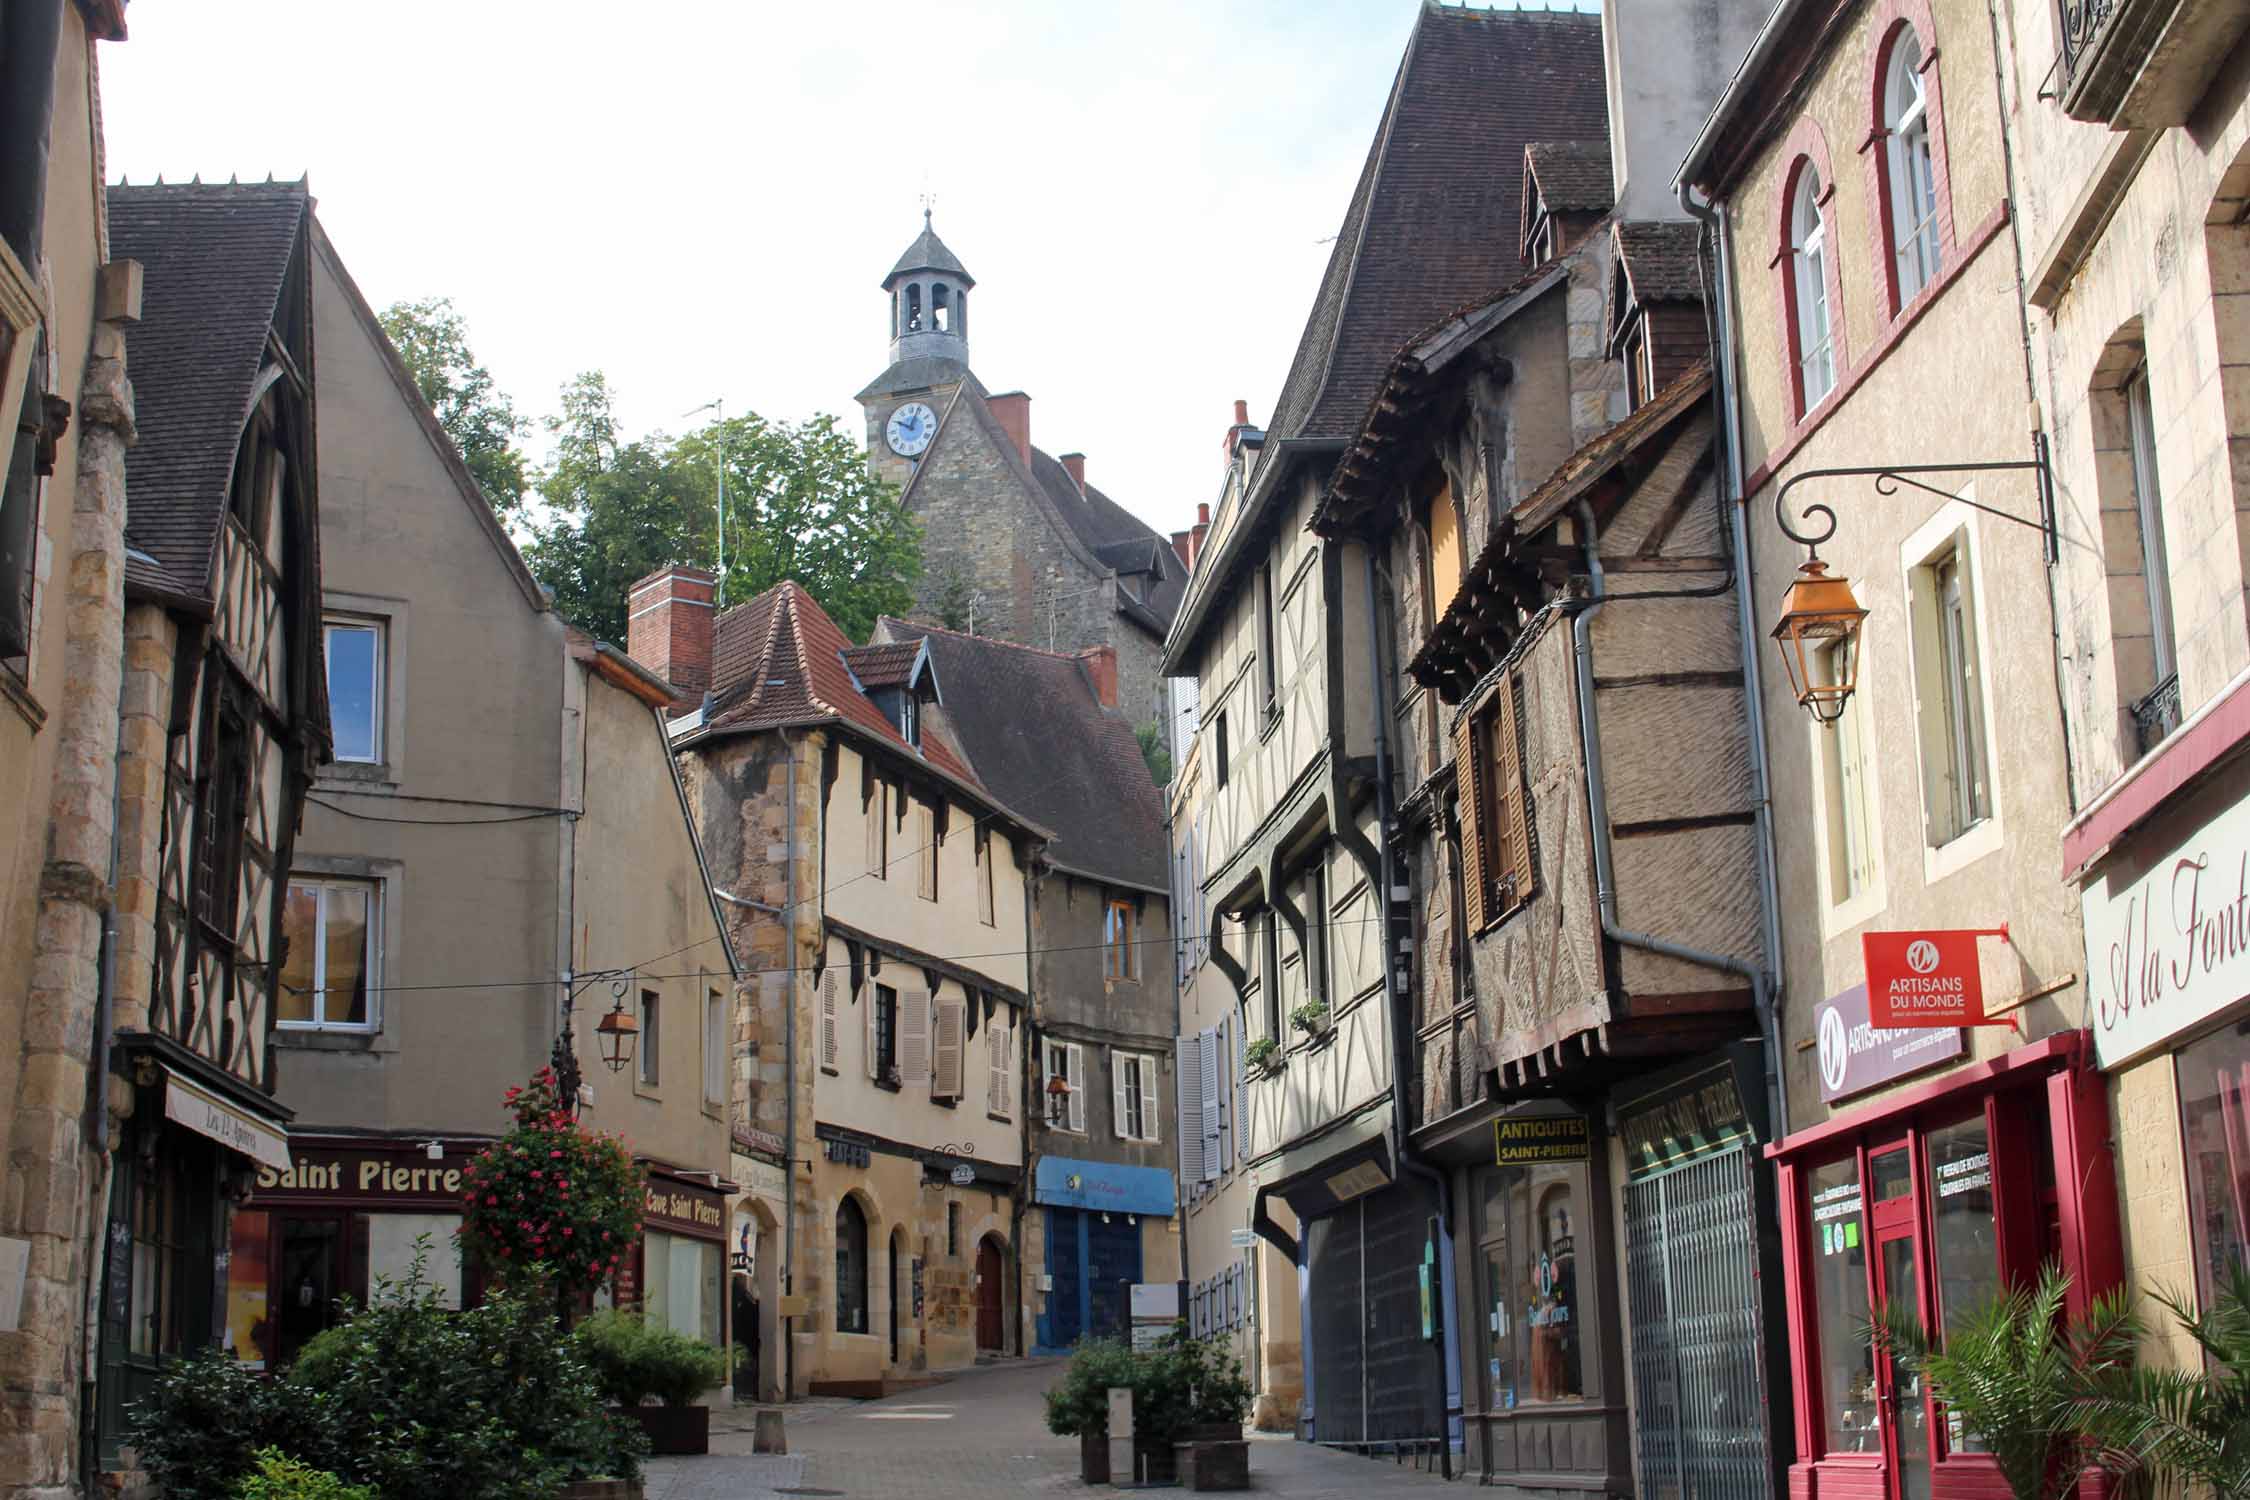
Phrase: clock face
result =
(911, 428)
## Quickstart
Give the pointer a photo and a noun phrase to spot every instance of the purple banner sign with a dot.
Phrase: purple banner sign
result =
(1855, 1057)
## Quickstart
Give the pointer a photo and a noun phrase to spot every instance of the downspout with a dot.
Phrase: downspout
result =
(1179, 961)
(1394, 996)
(1026, 1094)
(789, 1098)
(1768, 990)
(97, 1112)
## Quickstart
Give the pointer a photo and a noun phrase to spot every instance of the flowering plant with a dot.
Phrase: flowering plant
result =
(551, 1198)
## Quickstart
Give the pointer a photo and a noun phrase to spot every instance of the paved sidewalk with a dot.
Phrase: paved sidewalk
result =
(977, 1436)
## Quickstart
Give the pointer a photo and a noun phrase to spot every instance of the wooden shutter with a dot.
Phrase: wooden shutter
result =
(875, 831)
(1511, 825)
(996, 1066)
(874, 1004)
(913, 1037)
(1150, 1129)
(1119, 1102)
(945, 1054)
(828, 1047)
(1009, 1052)
(1208, 1066)
(925, 826)
(1077, 1066)
(1187, 1060)
(1468, 789)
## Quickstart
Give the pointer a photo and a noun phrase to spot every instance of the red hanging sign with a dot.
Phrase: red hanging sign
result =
(1927, 978)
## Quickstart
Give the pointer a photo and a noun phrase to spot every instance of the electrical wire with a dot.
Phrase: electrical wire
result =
(345, 812)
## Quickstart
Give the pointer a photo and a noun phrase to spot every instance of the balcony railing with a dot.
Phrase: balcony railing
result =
(2143, 64)
(2082, 21)
(2158, 714)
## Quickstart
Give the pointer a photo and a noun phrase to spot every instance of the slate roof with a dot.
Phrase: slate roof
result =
(1435, 220)
(1661, 260)
(778, 662)
(216, 255)
(1041, 742)
(1572, 176)
(928, 253)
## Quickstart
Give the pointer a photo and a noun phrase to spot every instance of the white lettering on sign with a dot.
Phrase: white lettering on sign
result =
(2172, 949)
(1966, 1175)
(688, 1208)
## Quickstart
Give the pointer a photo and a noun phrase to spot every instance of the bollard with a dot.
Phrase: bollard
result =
(766, 1434)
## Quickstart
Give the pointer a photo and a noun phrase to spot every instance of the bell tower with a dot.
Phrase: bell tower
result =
(927, 323)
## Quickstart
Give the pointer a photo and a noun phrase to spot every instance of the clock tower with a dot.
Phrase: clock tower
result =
(927, 322)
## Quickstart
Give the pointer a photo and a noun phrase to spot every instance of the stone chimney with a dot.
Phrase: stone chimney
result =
(1012, 410)
(1101, 665)
(668, 627)
(1075, 465)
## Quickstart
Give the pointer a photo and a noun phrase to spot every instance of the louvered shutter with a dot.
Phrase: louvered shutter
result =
(945, 1066)
(828, 1040)
(996, 1067)
(1207, 1066)
(1120, 1112)
(913, 1037)
(1187, 1055)
(1513, 825)
(1009, 1052)
(872, 1005)
(1150, 1129)
(1230, 1089)
(1077, 1072)
(875, 831)
(1469, 790)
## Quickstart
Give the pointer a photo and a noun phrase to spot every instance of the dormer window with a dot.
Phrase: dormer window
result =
(910, 718)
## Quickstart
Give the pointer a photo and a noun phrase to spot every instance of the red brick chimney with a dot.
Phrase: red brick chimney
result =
(1181, 550)
(1075, 465)
(1196, 533)
(1234, 433)
(1101, 665)
(1012, 409)
(668, 627)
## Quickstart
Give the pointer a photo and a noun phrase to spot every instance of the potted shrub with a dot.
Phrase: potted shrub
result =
(1078, 1404)
(1311, 1018)
(1264, 1057)
(1188, 1415)
(636, 1363)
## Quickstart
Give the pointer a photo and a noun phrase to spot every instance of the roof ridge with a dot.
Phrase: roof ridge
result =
(991, 640)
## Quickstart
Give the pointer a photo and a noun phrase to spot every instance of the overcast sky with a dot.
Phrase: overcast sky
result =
(702, 200)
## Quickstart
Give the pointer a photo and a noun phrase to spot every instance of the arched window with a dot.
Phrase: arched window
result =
(913, 308)
(1809, 250)
(851, 1267)
(961, 312)
(1907, 164)
(941, 315)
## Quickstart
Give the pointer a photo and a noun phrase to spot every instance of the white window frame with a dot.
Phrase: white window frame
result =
(1120, 960)
(2148, 503)
(648, 1064)
(1073, 1074)
(1951, 536)
(329, 625)
(1915, 252)
(372, 960)
(1135, 1089)
(1850, 850)
(1808, 262)
(715, 1047)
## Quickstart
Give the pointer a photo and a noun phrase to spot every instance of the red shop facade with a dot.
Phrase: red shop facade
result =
(1935, 1196)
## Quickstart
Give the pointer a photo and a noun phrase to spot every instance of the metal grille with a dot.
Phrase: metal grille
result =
(1691, 1258)
(1374, 1377)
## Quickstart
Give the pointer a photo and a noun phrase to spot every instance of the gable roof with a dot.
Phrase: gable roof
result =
(884, 664)
(216, 256)
(1040, 740)
(1428, 227)
(1662, 259)
(1571, 176)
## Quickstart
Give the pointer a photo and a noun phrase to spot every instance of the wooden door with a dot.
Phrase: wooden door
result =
(991, 1324)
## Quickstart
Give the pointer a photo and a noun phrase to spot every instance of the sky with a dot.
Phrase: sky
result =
(702, 200)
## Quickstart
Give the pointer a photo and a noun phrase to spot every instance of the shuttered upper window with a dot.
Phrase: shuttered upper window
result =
(1497, 874)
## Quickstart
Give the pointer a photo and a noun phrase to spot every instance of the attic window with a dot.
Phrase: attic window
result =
(910, 718)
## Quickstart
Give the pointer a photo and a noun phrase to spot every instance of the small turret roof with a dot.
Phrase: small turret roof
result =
(928, 253)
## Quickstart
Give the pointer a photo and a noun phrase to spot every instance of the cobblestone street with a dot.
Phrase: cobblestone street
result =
(978, 1435)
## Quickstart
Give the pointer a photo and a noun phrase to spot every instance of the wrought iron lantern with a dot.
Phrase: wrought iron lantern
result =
(618, 1032)
(1819, 617)
(1058, 1099)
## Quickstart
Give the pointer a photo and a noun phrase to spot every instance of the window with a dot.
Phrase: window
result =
(651, 1043)
(680, 1284)
(1955, 772)
(391, 1250)
(1133, 1095)
(1444, 553)
(1066, 1061)
(947, 1047)
(1268, 677)
(1851, 825)
(925, 828)
(1808, 281)
(2214, 1085)
(985, 910)
(714, 1048)
(1118, 948)
(1906, 160)
(1528, 1252)
(1000, 1066)
(1496, 850)
(1316, 935)
(1640, 374)
(23, 357)
(1219, 746)
(953, 1228)
(218, 839)
(1839, 1277)
(329, 962)
(882, 1036)
(878, 831)
(910, 716)
(355, 689)
(2148, 505)
(851, 1267)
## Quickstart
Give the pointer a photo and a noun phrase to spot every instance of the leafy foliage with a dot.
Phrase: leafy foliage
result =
(280, 1477)
(800, 503)
(1151, 736)
(2184, 1430)
(2018, 1376)
(551, 1196)
(1184, 1383)
(433, 340)
(200, 1429)
(1078, 1403)
(634, 1361)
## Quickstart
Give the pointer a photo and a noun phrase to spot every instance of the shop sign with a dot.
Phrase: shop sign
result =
(692, 1210)
(1705, 1114)
(385, 1173)
(2172, 949)
(760, 1142)
(207, 1114)
(1836, 1218)
(1522, 1140)
(1927, 978)
(962, 1175)
(1113, 1187)
(1856, 1055)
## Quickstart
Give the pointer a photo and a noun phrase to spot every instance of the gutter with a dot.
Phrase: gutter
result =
(1732, 100)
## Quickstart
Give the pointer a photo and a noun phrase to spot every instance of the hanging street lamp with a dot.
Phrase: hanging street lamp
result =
(1819, 639)
(618, 1032)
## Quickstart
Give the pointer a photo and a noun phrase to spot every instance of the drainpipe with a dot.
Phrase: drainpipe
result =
(97, 1111)
(1394, 996)
(1714, 218)
(789, 1094)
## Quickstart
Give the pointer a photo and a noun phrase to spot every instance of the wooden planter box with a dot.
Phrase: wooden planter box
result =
(602, 1489)
(1155, 1461)
(1214, 1463)
(673, 1430)
(1093, 1457)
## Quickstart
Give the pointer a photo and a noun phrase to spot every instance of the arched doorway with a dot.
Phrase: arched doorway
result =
(992, 1285)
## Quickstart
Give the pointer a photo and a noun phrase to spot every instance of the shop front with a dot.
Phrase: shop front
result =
(1096, 1214)
(677, 1273)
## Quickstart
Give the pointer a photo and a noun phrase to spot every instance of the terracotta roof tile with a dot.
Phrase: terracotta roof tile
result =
(884, 665)
(1572, 176)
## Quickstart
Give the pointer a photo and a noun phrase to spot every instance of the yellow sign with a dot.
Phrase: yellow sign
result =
(1525, 1140)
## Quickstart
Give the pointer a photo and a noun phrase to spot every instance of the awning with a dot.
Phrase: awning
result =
(1324, 1174)
(205, 1113)
(201, 1096)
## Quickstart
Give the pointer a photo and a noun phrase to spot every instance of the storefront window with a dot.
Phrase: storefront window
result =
(1967, 1245)
(249, 1335)
(680, 1288)
(2214, 1076)
(1839, 1256)
(851, 1268)
(393, 1240)
(1531, 1219)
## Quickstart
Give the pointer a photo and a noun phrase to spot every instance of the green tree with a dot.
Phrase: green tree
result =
(1154, 751)
(433, 340)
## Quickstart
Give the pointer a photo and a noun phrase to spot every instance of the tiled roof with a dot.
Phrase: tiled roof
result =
(1661, 260)
(1040, 741)
(928, 253)
(1572, 176)
(1601, 454)
(885, 665)
(1434, 221)
(216, 255)
(778, 661)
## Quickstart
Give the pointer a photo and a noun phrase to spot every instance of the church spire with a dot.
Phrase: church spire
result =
(929, 300)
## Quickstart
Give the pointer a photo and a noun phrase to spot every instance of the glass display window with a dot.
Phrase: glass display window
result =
(1838, 1211)
(2214, 1086)
(1530, 1227)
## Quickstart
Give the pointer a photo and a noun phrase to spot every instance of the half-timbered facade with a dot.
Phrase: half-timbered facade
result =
(225, 693)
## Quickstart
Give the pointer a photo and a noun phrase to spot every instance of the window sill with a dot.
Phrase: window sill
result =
(1000, 1118)
(944, 1103)
(363, 772)
(831, 1072)
(887, 1086)
(18, 693)
(1962, 850)
(1268, 722)
(326, 1039)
